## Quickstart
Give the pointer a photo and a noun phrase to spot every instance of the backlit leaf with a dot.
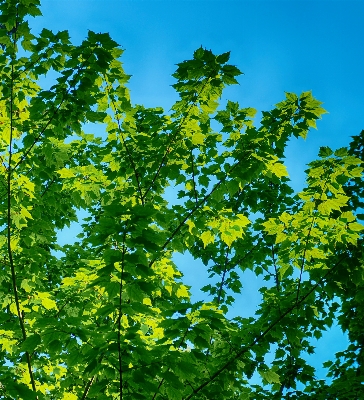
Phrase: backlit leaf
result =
(207, 237)
(270, 376)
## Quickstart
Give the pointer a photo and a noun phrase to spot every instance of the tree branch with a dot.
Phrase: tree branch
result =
(265, 332)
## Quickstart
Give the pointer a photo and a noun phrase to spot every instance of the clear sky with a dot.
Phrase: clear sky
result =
(280, 46)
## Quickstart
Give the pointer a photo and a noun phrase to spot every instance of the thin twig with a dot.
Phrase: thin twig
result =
(173, 136)
(129, 154)
(193, 177)
(120, 315)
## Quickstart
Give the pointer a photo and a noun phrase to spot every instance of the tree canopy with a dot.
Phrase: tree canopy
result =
(109, 316)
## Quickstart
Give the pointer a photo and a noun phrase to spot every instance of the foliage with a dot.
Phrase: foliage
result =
(109, 316)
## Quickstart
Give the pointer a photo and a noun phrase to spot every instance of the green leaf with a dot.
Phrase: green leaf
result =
(270, 376)
(223, 58)
(231, 70)
(90, 367)
(325, 152)
(342, 152)
(20, 389)
(30, 343)
(113, 289)
(134, 293)
(198, 54)
(55, 346)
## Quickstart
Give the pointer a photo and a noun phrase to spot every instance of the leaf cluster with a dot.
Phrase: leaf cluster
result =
(109, 316)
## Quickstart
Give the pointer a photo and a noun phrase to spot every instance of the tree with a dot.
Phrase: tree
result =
(108, 317)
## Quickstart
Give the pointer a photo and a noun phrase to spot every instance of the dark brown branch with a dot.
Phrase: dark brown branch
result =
(87, 388)
(9, 225)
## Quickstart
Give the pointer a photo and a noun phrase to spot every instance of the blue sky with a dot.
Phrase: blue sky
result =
(280, 46)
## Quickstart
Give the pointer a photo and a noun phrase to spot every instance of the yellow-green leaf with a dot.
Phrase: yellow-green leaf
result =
(191, 225)
(197, 138)
(69, 396)
(270, 376)
(207, 237)
(25, 285)
(182, 291)
(355, 226)
(25, 213)
(278, 169)
(315, 253)
(242, 220)
(65, 173)
(49, 303)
